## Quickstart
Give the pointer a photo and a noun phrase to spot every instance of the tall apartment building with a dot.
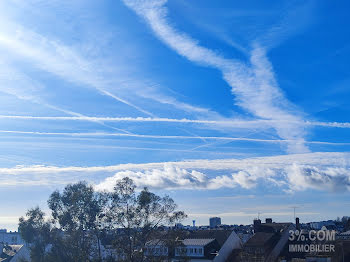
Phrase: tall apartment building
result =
(214, 222)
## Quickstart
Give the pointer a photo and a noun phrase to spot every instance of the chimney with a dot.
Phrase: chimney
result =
(297, 223)
(257, 223)
(268, 220)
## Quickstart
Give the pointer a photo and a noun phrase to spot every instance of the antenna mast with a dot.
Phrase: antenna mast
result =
(294, 211)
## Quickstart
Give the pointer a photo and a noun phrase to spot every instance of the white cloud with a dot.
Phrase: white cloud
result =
(169, 177)
(245, 179)
(172, 177)
(302, 177)
(312, 171)
(289, 177)
(254, 86)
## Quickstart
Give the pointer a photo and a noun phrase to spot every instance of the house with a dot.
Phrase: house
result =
(319, 225)
(202, 245)
(329, 228)
(232, 243)
(198, 249)
(10, 238)
(228, 241)
(258, 247)
(344, 236)
(14, 253)
(156, 248)
(266, 245)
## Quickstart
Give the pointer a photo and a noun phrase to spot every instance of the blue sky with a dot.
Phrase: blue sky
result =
(232, 108)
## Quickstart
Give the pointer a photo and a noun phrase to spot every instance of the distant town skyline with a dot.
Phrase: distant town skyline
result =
(231, 108)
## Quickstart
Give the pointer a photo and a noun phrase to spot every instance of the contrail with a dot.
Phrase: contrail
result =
(233, 122)
(101, 134)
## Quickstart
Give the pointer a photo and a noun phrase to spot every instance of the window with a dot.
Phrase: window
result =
(200, 251)
(181, 251)
(195, 250)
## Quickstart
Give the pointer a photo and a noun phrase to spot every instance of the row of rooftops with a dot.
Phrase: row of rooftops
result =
(263, 238)
(199, 244)
(267, 239)
(185, 242)
(264, 235)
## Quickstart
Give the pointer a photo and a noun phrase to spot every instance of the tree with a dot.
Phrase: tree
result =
(345, 219)
(36, 231)
(82, 219)
(347, 225)
(76, 213)
(137, 217)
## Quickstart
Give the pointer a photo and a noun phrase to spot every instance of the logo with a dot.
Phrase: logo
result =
(319, 241)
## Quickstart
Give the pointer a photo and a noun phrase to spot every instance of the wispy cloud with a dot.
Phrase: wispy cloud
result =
(325, 159)
(254, 85)
(8, 220)
(70, 64)
(22, 87)
(55, 57)
(255, 89)
(250, 214)
(19, 85)
(294, 20)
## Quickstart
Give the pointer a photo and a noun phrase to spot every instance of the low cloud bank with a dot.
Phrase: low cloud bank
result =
(290, 173)
(301, 177)
(290, 178)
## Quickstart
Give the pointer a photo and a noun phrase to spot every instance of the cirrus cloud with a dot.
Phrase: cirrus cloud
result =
(254, 84)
